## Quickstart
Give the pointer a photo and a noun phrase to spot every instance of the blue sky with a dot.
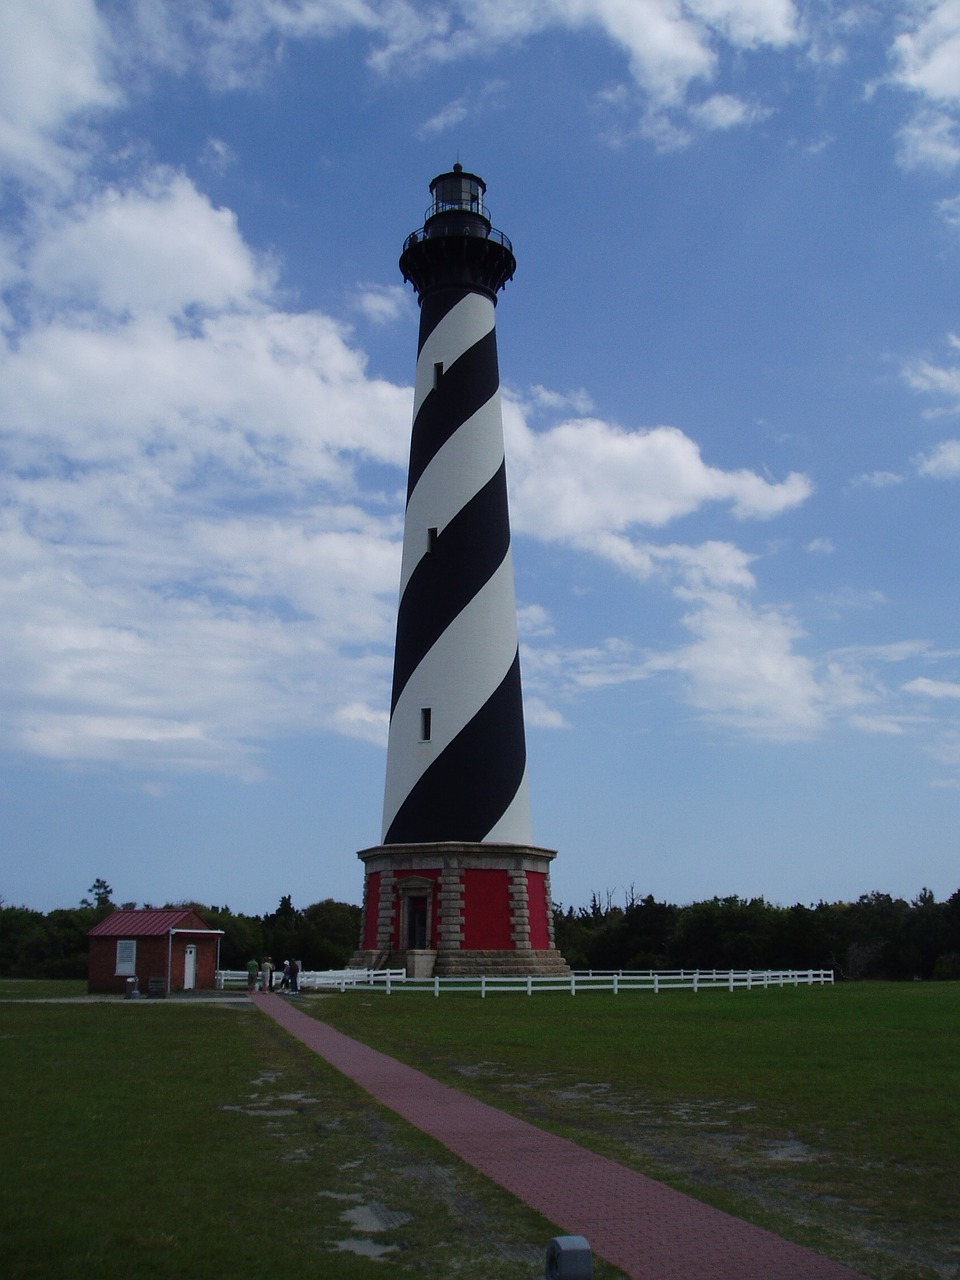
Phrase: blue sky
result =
(731, 373)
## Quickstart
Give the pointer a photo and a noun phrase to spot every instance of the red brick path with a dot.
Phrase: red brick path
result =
(639, 1225)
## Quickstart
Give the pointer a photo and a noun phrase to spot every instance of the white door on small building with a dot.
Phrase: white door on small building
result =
(190, 967)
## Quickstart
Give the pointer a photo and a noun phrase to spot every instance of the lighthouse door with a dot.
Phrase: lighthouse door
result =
(190, 968)
(417, 923)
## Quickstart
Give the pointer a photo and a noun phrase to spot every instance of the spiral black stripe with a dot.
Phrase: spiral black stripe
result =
(432, 310)
(465, 387)
(456, 758)
(467, 553)
(468, 788)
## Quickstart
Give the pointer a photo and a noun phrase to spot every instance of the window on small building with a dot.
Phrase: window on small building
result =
(126, 957)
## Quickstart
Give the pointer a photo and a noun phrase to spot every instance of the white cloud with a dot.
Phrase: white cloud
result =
(891, 726)
(183, 567)
(877, 479)
(741, 669)
(236, 42)
(538, 715)
(926, 61)
(383, 303)
(930, 139)
(725, 111)
(936, 379)
(927, 56)
(586, 477)
(534, 620)
(748, 23)
(845, 598)
(217, 155)
(933, 688)
(668, 45)
(447, 117)
(543, 399)
(942, 463)
(159, 247)
(469, 104)
(72, 49)
(190, 559)
(610, 663)
(53, 73)
(359, 720)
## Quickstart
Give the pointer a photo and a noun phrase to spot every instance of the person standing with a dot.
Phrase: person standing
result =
(266, 975)
(294, 977)
(252, 970)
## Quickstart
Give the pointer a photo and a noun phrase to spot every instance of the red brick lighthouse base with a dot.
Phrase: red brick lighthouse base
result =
(454, 908)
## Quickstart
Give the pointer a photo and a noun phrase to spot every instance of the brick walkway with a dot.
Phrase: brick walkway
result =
(648, 1230)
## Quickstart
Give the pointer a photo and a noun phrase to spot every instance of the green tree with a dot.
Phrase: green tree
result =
(21, 941)
(102, 894)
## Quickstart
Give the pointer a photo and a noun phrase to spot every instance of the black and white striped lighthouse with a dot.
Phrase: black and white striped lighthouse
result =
(456, 885)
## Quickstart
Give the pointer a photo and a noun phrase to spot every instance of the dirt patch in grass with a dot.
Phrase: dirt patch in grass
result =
(829, 1116)
(150, 1143)
(385, 1193)
(720, 1151)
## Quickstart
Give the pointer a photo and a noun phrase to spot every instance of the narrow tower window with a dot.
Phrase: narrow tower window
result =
(431, 541)
(437, 373)
(426, 723)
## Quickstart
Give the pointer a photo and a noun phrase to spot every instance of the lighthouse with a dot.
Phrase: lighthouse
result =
(456, 885)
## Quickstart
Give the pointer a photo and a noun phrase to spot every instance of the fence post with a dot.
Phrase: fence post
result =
(436, 985)
(696, 981)
(616, 984)
(483, 986)
(730, 980)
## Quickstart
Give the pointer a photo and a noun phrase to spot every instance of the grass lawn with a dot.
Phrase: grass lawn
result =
(830, 1115)
(173, 1139)
(41, 988)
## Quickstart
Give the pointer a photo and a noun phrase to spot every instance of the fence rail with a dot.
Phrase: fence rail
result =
(615, 980)
(315, 979)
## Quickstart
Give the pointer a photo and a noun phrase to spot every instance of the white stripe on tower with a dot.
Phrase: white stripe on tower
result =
(456, 760)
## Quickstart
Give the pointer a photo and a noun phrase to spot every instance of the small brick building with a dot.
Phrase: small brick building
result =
(172, 946)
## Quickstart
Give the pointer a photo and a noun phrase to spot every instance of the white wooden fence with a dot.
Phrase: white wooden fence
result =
(315, 979)
(655, 980)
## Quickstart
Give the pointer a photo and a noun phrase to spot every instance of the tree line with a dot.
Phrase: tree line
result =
(34, 944)
(877, 936)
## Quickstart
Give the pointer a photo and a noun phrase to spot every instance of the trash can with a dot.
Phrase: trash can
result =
(569, 1258)
(133, 989)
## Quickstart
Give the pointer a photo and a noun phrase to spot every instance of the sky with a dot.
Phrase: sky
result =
(730, 369)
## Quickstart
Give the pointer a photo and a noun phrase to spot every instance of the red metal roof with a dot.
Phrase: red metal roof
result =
(147, 923)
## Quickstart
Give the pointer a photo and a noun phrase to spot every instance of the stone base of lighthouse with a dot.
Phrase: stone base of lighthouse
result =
(457, 909)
